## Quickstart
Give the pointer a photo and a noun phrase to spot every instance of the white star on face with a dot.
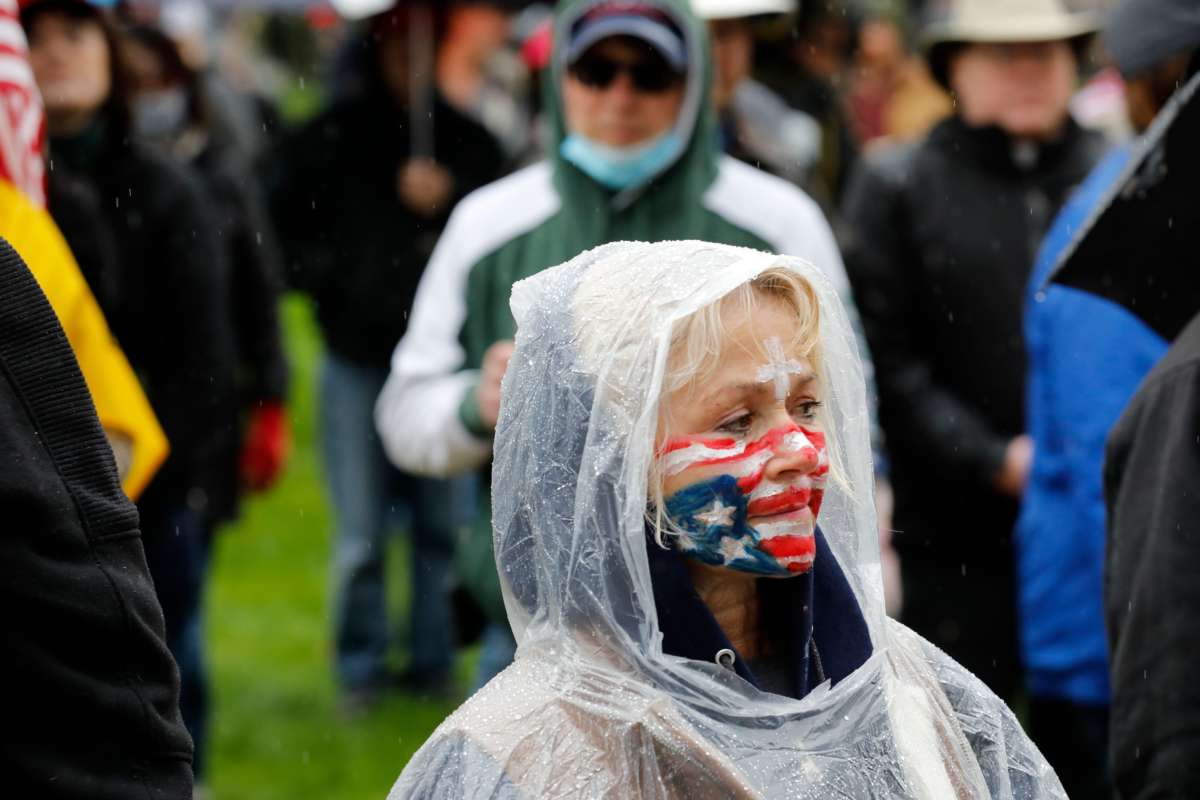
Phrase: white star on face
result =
(733, 549)
(717, 514)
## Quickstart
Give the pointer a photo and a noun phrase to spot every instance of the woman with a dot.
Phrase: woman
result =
(173, 116)
(676, 417)
(170, 315)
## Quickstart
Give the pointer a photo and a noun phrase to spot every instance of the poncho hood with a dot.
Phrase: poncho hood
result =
(596, 704)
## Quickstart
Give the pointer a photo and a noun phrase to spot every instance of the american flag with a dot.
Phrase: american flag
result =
(22, 124)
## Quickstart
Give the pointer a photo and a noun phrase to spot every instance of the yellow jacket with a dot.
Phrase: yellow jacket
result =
(125, 414)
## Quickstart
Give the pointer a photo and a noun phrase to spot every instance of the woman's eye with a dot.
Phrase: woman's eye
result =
(738, 424)
(806, 411)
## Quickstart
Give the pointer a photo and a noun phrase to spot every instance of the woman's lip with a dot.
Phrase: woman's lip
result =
(789, 546)
(792, 499)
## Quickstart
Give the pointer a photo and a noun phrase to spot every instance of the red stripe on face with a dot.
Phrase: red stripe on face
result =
(683, 442)
(789, 546)
(818, 495)
(771, 440)
(749, 483)
(792, 499)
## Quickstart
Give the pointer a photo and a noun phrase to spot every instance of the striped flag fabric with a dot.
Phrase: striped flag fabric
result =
(22, 123)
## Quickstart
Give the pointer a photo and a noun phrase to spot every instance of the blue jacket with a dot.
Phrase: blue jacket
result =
(1087, 356)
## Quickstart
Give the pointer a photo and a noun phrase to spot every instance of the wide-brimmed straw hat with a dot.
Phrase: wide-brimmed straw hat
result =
(950, 23)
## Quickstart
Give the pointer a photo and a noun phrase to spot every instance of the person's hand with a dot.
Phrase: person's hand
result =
(487, 397)
(1014, 472)
(265, 446)
(425, 187)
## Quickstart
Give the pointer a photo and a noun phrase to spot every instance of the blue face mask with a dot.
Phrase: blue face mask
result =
(620, 167)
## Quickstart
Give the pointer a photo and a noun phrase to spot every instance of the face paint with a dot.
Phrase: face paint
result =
(713, 514)
(779, 368)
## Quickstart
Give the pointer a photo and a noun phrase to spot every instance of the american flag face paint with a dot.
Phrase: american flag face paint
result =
(735, 516)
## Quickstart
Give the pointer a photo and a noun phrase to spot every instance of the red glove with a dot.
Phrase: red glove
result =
(265, 447)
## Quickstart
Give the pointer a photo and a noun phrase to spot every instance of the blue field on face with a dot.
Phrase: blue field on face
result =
(711, 516)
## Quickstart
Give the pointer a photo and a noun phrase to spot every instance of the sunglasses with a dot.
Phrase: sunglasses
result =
(647, 75)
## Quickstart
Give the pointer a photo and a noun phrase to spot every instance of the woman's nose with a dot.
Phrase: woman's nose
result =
(794, 457)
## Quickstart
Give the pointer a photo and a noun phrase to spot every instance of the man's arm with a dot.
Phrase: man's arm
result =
(425, 413)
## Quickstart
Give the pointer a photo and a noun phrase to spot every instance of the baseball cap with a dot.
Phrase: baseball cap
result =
(640, 20)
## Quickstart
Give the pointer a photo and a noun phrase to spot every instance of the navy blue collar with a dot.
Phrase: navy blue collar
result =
(816, 611)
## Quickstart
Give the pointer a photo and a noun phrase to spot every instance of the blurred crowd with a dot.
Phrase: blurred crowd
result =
(403, 164)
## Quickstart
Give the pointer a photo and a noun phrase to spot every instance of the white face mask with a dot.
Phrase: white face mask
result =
(160, 113)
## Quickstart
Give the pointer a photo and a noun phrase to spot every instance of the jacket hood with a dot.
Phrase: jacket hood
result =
(694, 166)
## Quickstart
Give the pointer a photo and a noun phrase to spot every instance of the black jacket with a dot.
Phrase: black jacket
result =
(90, 693)
(256, 271)
(943, 236)
(173, 315)
(248, 243)
(1151, 582)
(76, 210)
(349, 240)
(814, 619)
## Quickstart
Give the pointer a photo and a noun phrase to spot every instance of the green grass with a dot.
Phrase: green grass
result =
(276, 731)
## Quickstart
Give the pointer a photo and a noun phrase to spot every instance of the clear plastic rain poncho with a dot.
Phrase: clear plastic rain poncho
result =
(592, 707)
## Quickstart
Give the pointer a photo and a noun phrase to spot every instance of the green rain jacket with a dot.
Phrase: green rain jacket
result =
(542, 216)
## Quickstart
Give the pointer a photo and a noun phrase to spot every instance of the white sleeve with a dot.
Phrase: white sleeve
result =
(417, 411)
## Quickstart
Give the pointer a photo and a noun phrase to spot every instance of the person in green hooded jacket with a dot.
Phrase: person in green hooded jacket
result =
(634, 156)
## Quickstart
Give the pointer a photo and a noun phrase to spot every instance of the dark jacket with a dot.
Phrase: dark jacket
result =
(256, 271)
(349, 240)
(90, 693)
(173, 318)
(943, 238)
(248, 241)
(1152, 591)
(77, 214)
(813, 619)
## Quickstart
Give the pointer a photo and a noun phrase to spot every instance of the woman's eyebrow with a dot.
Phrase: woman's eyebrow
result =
(732, 391)
(741, 389)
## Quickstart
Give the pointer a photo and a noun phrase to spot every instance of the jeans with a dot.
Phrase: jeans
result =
(367, 492)
(177, 542)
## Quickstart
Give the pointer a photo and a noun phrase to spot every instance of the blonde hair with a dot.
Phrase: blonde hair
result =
(699, 341)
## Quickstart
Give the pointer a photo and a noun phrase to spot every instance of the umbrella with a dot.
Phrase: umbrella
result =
(1141, 245)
